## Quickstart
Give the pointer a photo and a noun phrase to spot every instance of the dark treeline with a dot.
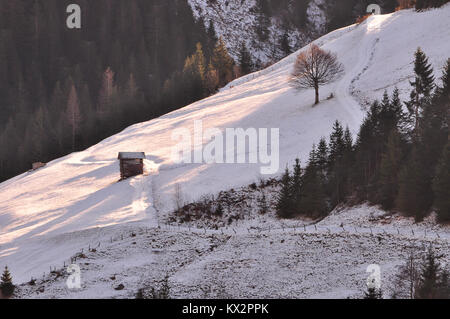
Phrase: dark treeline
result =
(63, 90)
(425, 4)
(400, 160)
(344, 12)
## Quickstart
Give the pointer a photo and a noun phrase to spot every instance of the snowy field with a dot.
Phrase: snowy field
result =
(48, 215)
(293, 260)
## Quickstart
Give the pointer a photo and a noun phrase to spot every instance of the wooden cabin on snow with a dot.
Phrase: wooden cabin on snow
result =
(131, 164)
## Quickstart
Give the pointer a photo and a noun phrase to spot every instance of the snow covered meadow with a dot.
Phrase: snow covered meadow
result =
(47, 216)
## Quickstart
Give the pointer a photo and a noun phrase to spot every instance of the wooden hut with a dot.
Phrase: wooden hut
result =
(131, 164)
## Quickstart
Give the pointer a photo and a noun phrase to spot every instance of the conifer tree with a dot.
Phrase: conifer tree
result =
(6, 284)
(212, 39)
(422, 88)
(245, 60)
(414, 187)
(396, 106)
(441, 186)
(365, 155)
(386, 119)
(6, 277)
(348, 140)
(444, 90)
(284, 199)
(373, 293)
(434, 133)
(322, 157)
(429, 278)
(314, 201)
(212, 31)
(297, 181)
(285, 45)
(263, 24)
(390, 165)
(429, 143)
(337, 174)
(337, 143)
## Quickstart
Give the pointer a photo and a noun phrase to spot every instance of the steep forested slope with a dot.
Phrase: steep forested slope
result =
(64, 89)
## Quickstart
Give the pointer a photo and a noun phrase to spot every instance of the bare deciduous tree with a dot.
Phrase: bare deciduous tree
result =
(178, 197)
(315, 67)
(407, 279)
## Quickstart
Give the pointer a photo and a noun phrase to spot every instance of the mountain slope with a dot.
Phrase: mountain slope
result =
(237, 21)
(39, 209)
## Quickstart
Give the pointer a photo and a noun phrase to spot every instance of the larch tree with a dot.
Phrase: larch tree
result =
(106, 92)
(222, 62)
(194, 74)
(211, 79)
(315, 67)
(73, 114)
(199, 60)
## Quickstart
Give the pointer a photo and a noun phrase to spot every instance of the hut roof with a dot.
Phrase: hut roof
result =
(131, 155)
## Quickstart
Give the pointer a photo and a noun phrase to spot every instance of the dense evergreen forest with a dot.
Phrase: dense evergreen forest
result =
(62, 90)
(400, 159)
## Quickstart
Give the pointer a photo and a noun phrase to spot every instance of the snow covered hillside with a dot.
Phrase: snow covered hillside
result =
(48, 214)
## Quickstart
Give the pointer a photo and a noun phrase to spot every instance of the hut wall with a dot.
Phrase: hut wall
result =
(131, 167)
